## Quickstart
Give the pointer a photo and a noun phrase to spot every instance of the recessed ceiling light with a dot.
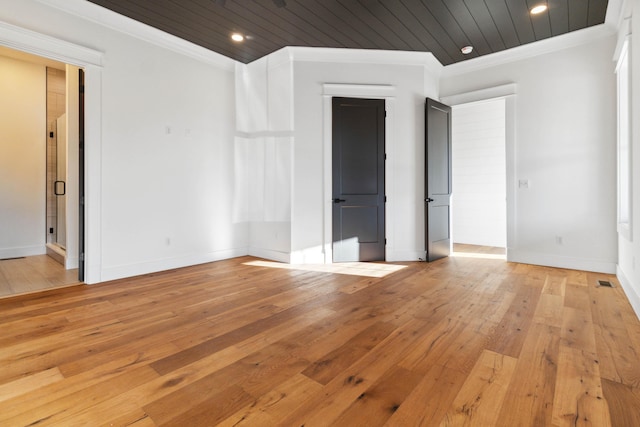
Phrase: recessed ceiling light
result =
(466, 50)
(236, 37)
(538, 9)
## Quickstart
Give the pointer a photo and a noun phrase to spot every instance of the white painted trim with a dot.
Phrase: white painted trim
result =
(386, 92)
(617, 10)
(573, 263)
(511, 172)
(90, 60)
(42, 45)
(359, 56)
(131, 270)
(270, 255)
(508, 92)
(93, 174)
(629, 290)
(23, 251)
(357, 90)
(480, 95)
(366, 56)
(553, 44)
(107, 18)
(398, 256)
(625, 229)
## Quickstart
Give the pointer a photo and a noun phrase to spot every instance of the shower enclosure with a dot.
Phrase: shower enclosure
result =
(57, 189)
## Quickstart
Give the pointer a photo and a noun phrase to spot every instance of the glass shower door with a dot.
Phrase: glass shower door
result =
(60, 185)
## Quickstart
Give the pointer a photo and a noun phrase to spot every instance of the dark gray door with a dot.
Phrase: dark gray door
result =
(437, 180)
(358, 180)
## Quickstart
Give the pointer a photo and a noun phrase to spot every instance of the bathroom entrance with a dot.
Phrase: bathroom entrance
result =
(64, 158)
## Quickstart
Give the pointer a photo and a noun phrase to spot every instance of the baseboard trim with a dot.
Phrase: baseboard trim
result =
(270, 255)
(399, 256)
(124, 271)
(629, 290)
(571, 263)
(23, 251)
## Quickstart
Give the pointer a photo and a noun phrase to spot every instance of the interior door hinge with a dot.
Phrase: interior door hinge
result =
(385, 199)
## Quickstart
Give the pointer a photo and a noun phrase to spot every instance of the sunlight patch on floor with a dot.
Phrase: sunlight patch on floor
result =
(366, 269)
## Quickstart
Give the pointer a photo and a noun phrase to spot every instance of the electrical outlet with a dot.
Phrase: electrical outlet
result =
(558, 240)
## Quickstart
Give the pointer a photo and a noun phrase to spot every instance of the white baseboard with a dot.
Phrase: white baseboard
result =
(71, 262)
(629, 290)
(399, 256)
(23, 251)
(124, 271)
(270, 255)
(571, 263)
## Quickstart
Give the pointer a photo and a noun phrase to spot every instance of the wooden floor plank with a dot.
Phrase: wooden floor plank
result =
(578, 393)
(483, 393)
(272, 407)
(460, 341)
(531, 391)
(623, 403)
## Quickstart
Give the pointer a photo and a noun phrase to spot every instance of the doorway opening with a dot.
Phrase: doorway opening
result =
(41, 251)
(479, 202)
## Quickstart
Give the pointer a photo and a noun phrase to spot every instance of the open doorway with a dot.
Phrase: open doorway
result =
(40, 177)
(479, 209)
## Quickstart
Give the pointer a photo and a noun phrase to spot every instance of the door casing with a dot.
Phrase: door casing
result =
(388, 93)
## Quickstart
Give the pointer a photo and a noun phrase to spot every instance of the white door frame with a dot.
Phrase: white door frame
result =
(91, 61)
(508, 92)
(388, 93)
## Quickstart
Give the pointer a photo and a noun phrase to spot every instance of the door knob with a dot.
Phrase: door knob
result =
(428, 200)
(336, 200)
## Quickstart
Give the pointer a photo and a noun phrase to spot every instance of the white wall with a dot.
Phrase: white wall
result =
(164, 178)
(479, 174)
(629, 250)
(565, 148)
(264, 145)
(405, 152)
(22, 158)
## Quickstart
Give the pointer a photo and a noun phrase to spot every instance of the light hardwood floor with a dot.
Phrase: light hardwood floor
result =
(461, 341)
(33, 274)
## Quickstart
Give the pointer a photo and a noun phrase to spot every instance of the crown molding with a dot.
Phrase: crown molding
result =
(550, 45)
(501, 91)
(366, 56)
(107, 18)
(48, 47)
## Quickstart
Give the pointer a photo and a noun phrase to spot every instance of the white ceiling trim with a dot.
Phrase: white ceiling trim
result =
(553, 44)
(107, 18)
(48, 47)
(366, 56)
(480, 95)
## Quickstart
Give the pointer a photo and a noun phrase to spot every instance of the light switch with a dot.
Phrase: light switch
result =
(523, 183)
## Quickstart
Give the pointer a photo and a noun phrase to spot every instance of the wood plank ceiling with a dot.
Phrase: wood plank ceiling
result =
(438, 26)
